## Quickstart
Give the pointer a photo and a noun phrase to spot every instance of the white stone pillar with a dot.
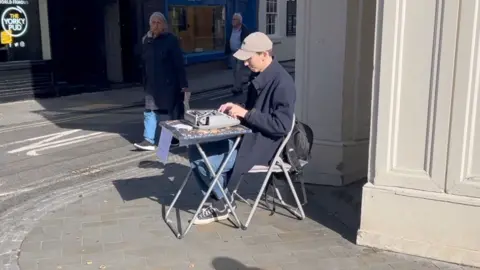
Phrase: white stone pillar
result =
(334, 53)
(423, 195)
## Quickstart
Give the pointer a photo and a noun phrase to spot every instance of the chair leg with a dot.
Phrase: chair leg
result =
(257, 200)
(295, 196)
(289, 208)
(235, 192)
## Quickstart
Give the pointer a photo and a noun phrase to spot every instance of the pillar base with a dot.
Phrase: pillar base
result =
(337, 163)
(432, 225)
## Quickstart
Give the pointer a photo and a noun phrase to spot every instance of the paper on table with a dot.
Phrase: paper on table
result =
(164, 145)
(182, 126)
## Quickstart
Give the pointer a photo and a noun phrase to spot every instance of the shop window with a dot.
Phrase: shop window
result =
(199, 28)
(20, 31)
(271, 17)
(291, 17)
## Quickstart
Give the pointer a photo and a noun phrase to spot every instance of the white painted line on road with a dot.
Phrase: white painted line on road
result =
(44, 142)
(78, 139)
(38, 138)
(50, 143)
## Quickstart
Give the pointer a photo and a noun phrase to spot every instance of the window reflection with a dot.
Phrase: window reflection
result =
(199, 28)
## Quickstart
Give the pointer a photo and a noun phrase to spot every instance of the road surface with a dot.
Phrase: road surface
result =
(47, 164)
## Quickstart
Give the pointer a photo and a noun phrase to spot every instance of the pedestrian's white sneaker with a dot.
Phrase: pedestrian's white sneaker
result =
(145, 146)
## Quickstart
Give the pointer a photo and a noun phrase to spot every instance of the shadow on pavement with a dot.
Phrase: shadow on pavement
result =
(162, 188)
(224, 263)
(336, 208)
(126, 123)
(158, 187)
(76, 102)
(79, 99)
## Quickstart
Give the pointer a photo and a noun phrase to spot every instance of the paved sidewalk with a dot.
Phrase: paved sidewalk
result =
(121, 227)
(15, 113)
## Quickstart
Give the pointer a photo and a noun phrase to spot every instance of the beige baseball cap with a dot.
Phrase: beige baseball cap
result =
(254, 43)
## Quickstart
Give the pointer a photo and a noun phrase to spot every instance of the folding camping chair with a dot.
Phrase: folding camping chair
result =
(277, 166)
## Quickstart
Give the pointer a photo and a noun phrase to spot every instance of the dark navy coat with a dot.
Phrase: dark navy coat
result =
(271, 103)
(164, 71)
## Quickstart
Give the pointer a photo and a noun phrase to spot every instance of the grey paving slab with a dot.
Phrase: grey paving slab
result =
(122, 228)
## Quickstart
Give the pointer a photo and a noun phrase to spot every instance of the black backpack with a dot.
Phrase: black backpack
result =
(297, 153)
(298, 149)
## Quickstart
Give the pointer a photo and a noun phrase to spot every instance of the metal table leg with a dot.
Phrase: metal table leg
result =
(216, 176)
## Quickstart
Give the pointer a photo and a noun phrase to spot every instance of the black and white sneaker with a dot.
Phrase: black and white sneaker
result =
(210, 214)
(213, 200)
(145, 146)
(233, 203)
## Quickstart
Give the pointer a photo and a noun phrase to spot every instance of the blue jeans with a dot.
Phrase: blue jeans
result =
(150, 122)
(216, 153)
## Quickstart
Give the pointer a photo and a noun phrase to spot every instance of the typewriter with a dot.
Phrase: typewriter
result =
(209, 119)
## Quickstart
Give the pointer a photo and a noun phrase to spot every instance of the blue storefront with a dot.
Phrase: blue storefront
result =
(202, 25)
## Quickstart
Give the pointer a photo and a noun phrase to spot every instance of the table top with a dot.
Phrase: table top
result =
(187, 135)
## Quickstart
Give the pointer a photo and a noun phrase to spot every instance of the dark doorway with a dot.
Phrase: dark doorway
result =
(128, 32)
(77, 40)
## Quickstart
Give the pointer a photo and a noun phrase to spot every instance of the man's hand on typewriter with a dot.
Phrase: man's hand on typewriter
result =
(233, 110)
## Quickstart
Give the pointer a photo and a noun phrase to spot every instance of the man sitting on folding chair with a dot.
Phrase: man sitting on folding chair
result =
(268, 112)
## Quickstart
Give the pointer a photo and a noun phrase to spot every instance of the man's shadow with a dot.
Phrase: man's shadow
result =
(224, 263)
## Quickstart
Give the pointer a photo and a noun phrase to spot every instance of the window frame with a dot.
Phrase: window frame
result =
(269, 14)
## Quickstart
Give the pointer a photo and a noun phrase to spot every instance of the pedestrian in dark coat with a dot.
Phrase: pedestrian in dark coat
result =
(165, 80)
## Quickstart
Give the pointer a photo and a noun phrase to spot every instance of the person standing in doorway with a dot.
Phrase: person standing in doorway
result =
(236, 36)
(165, 79)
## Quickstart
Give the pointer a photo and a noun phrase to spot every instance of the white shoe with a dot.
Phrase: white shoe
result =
(145, 146)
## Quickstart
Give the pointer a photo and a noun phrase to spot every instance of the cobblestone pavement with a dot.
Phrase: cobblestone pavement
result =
(122, 227)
